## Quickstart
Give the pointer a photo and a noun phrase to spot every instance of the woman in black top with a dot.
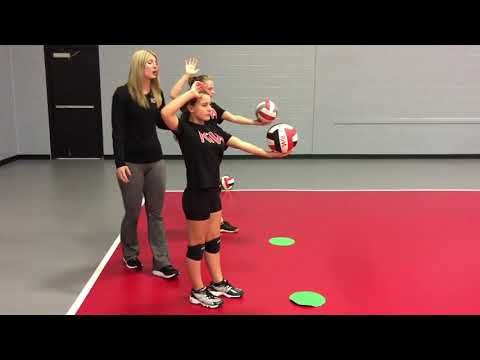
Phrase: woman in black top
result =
(218, 114)
(139, 160)
(202, 143)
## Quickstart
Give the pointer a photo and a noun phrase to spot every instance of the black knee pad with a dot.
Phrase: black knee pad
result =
(213, 246)
(196, 252)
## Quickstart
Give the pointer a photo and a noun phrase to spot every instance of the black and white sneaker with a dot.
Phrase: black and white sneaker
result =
(166, 272)
(226, 227)
(224, 288)
(205, 298)
(133, 263)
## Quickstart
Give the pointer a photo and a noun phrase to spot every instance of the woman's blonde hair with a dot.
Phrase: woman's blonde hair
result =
(136, 76)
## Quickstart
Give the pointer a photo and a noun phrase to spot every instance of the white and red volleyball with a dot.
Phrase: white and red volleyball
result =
(227, 182)
(282, 138)
(266, 111)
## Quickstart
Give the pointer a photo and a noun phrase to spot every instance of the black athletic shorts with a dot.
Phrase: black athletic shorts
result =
(199, 204)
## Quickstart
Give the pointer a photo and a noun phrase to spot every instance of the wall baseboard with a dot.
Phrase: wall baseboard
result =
(33, 157)
(8, 160)
(24, 157)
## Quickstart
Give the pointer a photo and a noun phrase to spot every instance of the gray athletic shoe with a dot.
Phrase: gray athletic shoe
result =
(205, 298)
(226, 289)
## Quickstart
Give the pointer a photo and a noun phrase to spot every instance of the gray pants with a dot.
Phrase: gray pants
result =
(148, 180)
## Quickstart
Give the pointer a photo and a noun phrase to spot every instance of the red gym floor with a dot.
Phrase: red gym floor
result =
(367, 252)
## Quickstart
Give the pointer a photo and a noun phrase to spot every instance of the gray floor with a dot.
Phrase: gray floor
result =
(59, 218)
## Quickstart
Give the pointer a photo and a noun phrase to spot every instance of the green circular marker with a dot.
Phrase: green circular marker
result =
(307, 298)
(281, 241)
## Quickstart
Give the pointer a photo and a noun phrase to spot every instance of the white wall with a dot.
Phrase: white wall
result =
(8, 137)
(342, 99)
(244, 76)
(31, 106)
(397, 100)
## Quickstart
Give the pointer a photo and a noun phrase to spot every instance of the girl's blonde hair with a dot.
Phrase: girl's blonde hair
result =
(202, 78)
(136, 76)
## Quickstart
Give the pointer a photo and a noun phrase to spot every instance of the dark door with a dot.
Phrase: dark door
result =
(73, 88)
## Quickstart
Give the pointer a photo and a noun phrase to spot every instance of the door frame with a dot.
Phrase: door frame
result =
(51, 105)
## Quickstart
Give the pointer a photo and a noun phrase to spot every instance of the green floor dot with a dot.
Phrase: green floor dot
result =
(307, 298)
(281, 241)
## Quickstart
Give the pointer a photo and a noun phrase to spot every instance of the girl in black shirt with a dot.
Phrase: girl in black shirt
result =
(139, 160)
(218, 113)
(202, 143)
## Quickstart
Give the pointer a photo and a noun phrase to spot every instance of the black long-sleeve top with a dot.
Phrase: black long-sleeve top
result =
(134, 131)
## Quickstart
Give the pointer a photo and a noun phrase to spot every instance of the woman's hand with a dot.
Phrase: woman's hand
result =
(124, 173)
